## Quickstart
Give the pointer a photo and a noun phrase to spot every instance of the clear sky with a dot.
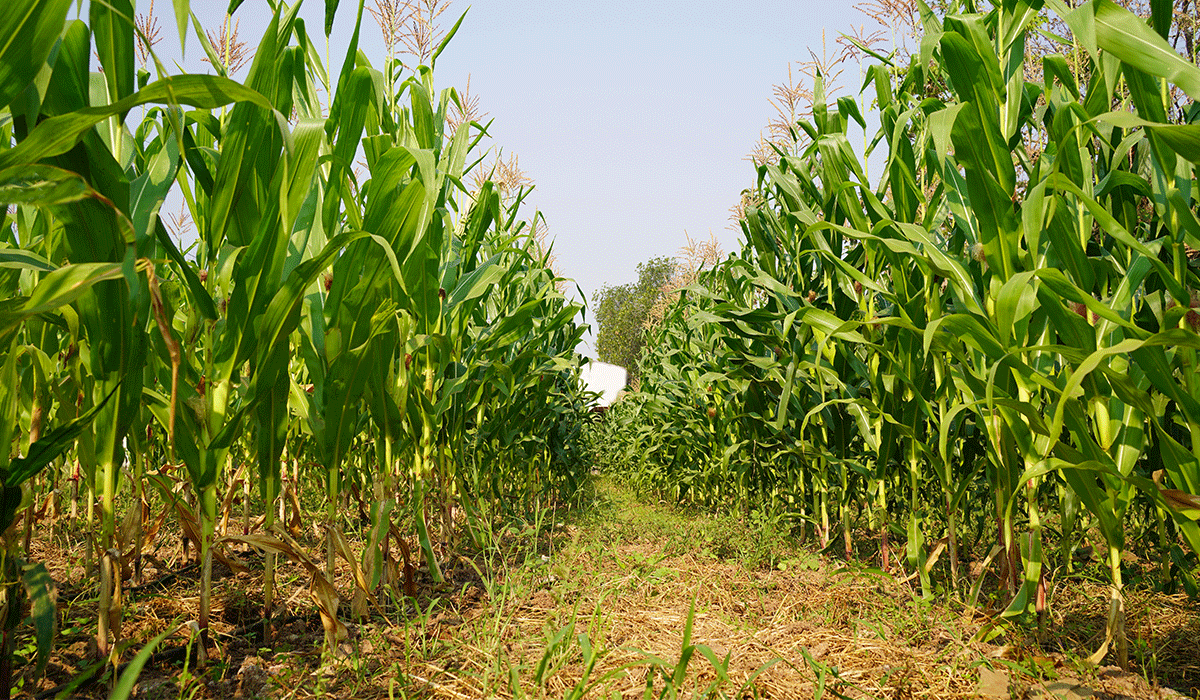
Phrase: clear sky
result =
(634, 119)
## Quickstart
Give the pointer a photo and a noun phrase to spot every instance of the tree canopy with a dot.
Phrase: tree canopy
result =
(622, 311)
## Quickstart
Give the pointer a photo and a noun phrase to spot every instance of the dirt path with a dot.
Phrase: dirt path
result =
(598, 606)
(766, 624)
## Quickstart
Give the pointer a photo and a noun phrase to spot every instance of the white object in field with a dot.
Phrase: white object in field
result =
(605, 379)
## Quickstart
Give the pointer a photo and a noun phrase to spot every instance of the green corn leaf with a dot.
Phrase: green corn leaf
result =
(302, 164)
(830, 325)
(1123, 178)
(514, 325)
(1082, 21)
(282, 316)
(182, 11)
(1183, 139)
(1015, 17)
(59, 288)
(345, 376)
(477, 283)
(187, 442)
(1016, 300)
(28, 31)
(330, 11)
(1146, 92)
(59, 134)
(973, 65)
(69, 87)
(1067, 291)
(990, 180)
(41, 453)
(1064, 243)
(785, 397)
(1056, 66)
(200, 296)
(1127, 37)
(947, 266)
(1178, 461)
(1176, 337)
(50, 446)
(201, 36)
(1114, 228)
(148, 191)
(250, 148)
(18, 259)
(112, 30)
(446, 39)
(885, 60)
(42, 185)
(124, 687)
(348, 66)
(39, 586)
(1161, 14)
(969, 330)
(355, 94)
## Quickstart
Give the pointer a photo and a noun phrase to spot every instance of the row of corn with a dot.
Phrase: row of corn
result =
(361, 302)
(996, 341)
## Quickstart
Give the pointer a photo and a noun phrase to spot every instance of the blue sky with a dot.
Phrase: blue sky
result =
(633, 118)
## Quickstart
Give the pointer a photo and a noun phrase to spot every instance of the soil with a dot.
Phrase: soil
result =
(597, 605)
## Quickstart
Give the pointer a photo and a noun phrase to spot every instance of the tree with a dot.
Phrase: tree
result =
(622, 312)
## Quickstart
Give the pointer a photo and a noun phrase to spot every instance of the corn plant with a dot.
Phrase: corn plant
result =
(990, 333)
(309, 294)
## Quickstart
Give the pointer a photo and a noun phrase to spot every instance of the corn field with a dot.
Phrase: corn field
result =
(987, 351)
(996, 343)
(362, 307)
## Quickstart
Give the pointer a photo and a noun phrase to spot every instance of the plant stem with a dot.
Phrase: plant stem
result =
(208, 521)
(1116, 610)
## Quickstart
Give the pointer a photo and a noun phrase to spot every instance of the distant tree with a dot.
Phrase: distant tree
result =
(622, 312)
